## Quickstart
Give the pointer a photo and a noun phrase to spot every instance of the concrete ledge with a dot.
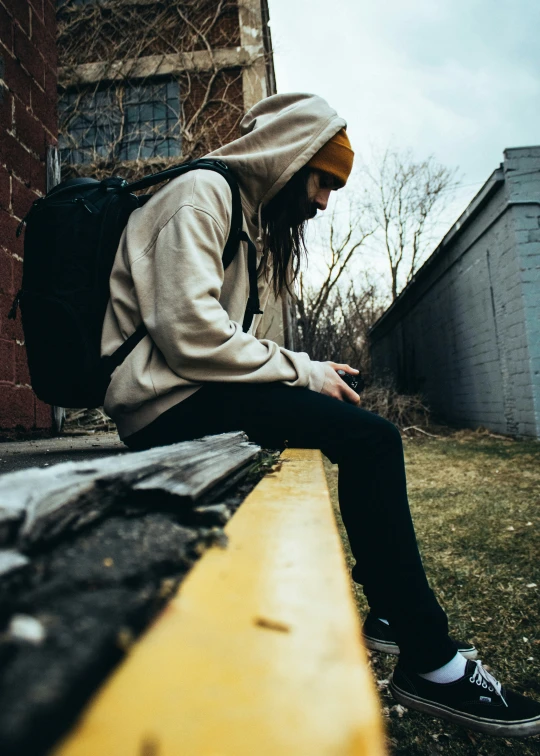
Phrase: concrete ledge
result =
(159, 65)
(258, 653)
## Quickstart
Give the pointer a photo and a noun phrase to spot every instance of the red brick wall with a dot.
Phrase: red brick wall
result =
(28, 124)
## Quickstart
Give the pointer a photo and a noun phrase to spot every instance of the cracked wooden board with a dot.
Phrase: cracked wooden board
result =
(38, 504)
(259, 652)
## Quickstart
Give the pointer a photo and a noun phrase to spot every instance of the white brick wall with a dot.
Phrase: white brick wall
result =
(466, 333)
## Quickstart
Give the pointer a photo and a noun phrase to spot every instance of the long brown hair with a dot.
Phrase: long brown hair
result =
(284, 221)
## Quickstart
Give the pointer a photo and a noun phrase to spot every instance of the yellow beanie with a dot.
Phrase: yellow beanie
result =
(335, 157)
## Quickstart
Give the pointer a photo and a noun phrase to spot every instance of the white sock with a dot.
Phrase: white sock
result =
(383, 620)
(449, 672)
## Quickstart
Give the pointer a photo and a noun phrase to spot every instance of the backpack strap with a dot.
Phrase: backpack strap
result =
(218, 166)
(253, 305)
(111, 362)
(236, 234)
(169, 173)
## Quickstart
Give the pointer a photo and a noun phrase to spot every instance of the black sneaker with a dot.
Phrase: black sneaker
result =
(379, 637)
(476, 701)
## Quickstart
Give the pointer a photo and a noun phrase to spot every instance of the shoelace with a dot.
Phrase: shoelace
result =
(482, 677)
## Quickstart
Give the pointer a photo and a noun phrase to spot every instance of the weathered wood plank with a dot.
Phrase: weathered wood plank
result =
(40, 504)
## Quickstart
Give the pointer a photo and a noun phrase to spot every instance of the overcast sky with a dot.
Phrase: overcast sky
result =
(456, 78)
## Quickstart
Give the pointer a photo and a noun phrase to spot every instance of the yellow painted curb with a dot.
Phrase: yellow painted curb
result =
(259, 653)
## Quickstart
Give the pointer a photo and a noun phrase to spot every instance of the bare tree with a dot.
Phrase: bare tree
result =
(333, 318)
(341, 332)
(403, 198)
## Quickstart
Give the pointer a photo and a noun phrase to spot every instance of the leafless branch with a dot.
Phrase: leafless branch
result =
(403, 198)
(333, 318)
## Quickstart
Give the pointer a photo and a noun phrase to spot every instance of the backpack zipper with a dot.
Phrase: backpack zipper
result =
(83, 202)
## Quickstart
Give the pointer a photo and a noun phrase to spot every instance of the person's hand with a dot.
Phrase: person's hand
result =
(335, 386)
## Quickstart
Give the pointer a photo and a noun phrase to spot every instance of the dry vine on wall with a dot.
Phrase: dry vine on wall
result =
(145, 85)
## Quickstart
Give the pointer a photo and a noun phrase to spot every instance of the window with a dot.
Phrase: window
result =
(125, 122)
(152, 124)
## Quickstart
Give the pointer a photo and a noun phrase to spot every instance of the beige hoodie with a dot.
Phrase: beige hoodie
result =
(168, 271)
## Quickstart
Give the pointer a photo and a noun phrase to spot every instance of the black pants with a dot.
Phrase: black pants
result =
(372, 492)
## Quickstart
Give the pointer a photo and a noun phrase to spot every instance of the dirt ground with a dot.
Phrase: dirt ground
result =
(475, 500)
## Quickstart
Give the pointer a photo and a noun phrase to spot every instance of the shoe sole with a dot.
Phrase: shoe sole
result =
(387, 647)
(522, 728)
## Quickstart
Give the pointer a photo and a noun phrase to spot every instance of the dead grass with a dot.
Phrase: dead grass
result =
(88, 420)
(475, 499)
(404, 410)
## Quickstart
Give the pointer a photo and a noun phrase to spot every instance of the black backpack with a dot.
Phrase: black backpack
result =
(72, 235)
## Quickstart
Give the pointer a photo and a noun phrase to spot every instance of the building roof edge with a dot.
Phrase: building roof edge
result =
(492, 185)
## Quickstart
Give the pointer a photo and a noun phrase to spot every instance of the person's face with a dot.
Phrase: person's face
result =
(319, 186)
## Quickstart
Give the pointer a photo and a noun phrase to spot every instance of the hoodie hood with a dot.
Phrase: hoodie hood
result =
(280, 135)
